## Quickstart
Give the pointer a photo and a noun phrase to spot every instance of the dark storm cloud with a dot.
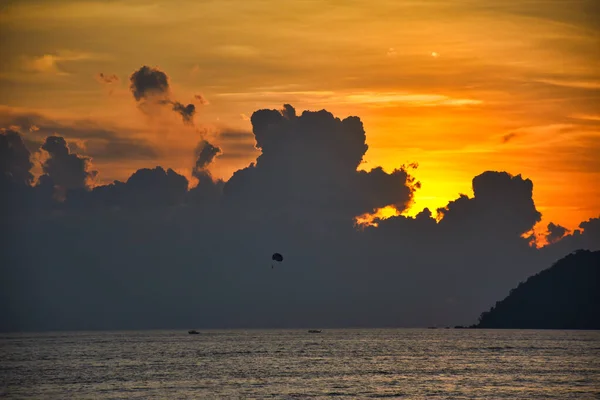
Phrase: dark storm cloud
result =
(156, 187)
(205, 153)
(288, 111)
(208, 191)
(147, 188)
(148, 81)
(186, 112)
(67, 170)
(586, 237)
(502, 203)
(151, 86)
(555, 232)
(170, 257)
(590, 232)
(308, 163)
(592, 227)
(17, 195)
(472, 256)
(15, 162)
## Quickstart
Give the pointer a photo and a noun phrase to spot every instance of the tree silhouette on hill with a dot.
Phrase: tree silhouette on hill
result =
(564, 296)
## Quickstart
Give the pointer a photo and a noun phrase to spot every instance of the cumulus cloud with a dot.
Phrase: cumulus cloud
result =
(592, 226)
(186, 112)
(208, 190)
(147, 188)
(18, 195)
(156, 187)
(147, 82)
(206, 153)
(589, 233)
(200, 257)
(309, 163)
(66, 170)
(15, 162)
(586, 237)
(555, 232)
(502, 204)
(150, 86)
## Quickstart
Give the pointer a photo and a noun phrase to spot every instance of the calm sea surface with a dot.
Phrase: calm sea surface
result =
(286, 364)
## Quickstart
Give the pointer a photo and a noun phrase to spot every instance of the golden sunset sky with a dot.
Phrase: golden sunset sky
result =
(460, 87)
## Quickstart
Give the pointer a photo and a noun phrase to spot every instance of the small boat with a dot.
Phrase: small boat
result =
(193, 332)
(314, 331)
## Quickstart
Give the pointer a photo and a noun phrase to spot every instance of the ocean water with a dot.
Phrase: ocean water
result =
(294, 364)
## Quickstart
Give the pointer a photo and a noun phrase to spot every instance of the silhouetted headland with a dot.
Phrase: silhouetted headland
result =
(564, 296)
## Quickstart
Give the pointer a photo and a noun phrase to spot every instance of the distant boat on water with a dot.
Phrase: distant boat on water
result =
(193, 332)
(314, 331)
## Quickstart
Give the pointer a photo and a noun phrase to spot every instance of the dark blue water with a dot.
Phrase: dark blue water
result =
(286, 364)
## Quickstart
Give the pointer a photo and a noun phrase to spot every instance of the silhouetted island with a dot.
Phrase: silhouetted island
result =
(564, 296)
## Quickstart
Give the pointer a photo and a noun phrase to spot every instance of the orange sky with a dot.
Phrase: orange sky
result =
(458, 86)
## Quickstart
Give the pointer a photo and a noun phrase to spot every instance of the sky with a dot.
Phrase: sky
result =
(457, 86)
(469, 123)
